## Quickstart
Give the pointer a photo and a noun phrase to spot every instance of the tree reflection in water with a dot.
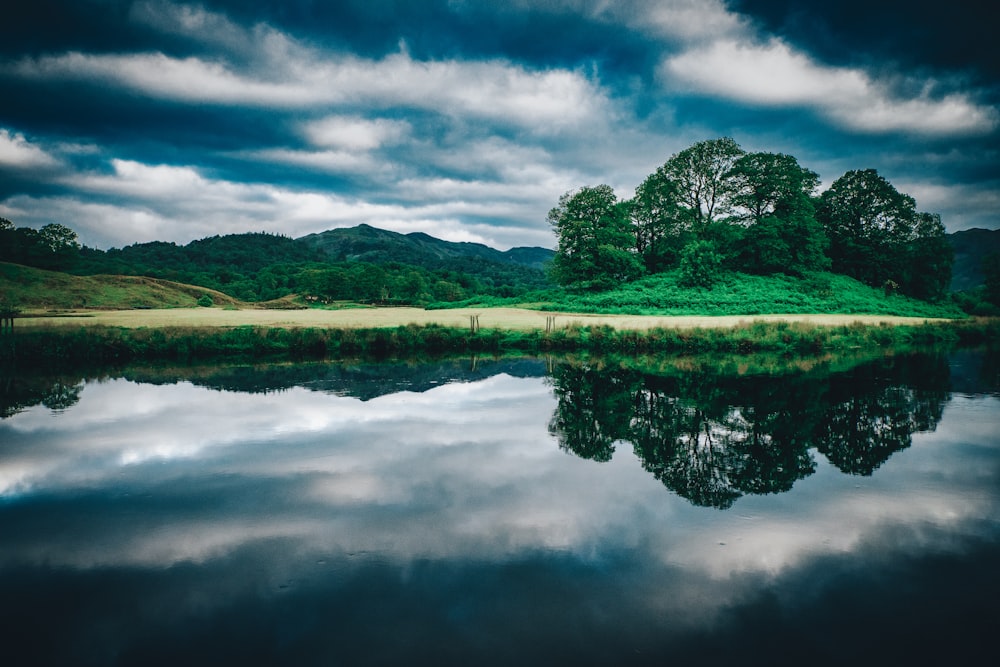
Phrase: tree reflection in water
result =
(712, 437)
(709, 436)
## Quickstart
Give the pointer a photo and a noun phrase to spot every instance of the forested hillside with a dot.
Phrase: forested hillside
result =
(378, 246)
(973, 248)
(361, 264)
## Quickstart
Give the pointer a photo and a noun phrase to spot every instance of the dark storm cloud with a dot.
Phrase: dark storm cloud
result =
(916, 33)
(131, 121)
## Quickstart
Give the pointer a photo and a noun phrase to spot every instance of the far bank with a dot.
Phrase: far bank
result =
(204, 335)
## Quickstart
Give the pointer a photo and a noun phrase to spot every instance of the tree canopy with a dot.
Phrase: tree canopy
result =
(596, 242)
(53, 246)
(877, 236)
(713, 207)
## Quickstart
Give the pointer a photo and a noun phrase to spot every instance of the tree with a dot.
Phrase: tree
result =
(769, 184)
(704, 183)
(870, 225)
(929, 259)
(772, 198)
(61, 243)
(595, 240)
(660, 229)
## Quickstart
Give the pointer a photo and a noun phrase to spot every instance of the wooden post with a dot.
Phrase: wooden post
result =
(7, 314)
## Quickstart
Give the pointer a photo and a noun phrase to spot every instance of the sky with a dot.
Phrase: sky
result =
(133, 121)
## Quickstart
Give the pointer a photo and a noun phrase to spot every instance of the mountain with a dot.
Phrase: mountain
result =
(971, 247)
(378, 246)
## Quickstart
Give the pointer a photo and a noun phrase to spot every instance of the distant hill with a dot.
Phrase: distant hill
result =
(248, 252)
(378, 246)
(971, 247)
(30, 288)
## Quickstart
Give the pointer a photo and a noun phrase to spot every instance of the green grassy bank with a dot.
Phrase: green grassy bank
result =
(95, 345)
(731, 294)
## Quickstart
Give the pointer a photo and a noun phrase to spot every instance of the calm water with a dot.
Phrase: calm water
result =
(503, 513)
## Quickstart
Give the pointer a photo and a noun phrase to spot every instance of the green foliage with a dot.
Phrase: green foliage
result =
(266, 267)
(757, 213)
(700, 265)
(770, 185)
(742, 294)
(975, 302)
(704, 180)
(205, 301)
(51, 247)
(929, 259)
(661, 231)
(66, 347)
(876, 235)
(594, 240)
(991, 273)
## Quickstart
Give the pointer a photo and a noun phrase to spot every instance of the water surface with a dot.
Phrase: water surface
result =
(510, 512)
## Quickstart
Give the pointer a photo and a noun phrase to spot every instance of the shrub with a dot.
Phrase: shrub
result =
(700, 265)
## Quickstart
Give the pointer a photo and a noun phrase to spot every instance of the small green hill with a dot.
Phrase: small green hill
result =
(30, 288)
(735, 294)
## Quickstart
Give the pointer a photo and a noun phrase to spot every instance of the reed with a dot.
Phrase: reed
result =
(113, 345)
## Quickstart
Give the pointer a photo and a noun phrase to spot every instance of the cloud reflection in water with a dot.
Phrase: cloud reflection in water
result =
(441, 512)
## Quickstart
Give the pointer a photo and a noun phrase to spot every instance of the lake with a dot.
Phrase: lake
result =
(504, 512)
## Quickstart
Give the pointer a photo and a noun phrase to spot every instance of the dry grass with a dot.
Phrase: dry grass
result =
(489, 318)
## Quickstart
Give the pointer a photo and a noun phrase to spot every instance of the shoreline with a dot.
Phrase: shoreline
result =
(184, 338)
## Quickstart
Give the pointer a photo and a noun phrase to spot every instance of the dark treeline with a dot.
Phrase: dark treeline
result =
(712, 437)
(262, 267)
(714, 207)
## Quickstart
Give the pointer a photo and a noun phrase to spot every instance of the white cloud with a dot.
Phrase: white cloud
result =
(773, 74)
(684, 20)
(18, 152)
(544, 100)
(354, 133)
(961, 206)
(138, 202)
(688, 20)
(195, 23)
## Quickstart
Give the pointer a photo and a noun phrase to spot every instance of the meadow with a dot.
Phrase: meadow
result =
(517, 319)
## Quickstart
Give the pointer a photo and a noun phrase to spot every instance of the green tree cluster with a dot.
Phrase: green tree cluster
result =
(713, 206)
(51, 247)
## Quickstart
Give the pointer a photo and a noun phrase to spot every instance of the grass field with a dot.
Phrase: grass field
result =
(362, 318)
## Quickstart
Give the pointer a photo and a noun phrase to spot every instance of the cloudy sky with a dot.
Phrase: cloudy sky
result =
(467, 119)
